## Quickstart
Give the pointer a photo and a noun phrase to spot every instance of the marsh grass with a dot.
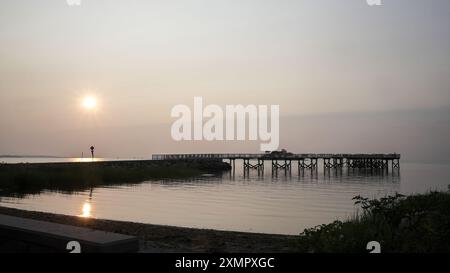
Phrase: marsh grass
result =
(21, 179)
(413, 224)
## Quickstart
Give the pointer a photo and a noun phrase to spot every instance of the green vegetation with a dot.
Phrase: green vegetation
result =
(21, 179)
(413, 224)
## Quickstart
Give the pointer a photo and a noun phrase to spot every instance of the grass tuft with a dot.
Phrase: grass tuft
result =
(414, 224)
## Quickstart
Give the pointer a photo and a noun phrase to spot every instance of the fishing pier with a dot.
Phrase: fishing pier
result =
(303, 162)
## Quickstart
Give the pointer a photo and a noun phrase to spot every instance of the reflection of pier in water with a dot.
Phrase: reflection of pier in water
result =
(372, 163)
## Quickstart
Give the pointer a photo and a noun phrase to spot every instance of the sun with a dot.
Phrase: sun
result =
(90, 103)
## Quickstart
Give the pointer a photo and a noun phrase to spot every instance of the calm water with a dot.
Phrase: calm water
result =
(283, 204)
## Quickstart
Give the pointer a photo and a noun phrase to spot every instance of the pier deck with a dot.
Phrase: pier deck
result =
(305, 161)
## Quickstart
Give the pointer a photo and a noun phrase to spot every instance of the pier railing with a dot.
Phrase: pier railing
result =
(269, 156)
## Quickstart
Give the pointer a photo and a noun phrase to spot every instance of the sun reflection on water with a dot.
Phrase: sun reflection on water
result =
(86, 159)
(86, 210)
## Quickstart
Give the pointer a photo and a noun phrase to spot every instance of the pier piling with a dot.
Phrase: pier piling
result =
(304, 161)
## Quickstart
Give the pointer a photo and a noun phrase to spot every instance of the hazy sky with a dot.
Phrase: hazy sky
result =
(382, 73)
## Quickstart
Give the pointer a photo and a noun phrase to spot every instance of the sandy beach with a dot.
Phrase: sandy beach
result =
(170, 239)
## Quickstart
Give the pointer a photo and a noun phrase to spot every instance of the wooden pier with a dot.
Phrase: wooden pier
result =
(304, 161)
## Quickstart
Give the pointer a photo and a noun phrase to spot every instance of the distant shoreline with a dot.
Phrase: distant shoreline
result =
(33, 156)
